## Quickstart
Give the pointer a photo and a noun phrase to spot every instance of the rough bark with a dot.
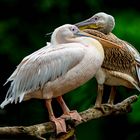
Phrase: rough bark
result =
(38, 130)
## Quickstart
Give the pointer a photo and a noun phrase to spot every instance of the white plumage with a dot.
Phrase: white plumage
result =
(40, 67)
(63, 65)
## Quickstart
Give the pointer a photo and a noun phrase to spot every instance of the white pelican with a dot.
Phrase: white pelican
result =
(121, 66)
(70, 60)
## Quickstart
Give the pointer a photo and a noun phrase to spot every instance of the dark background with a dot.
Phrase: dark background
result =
(23, 25)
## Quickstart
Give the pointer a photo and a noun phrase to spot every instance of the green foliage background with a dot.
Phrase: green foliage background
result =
(23, 25)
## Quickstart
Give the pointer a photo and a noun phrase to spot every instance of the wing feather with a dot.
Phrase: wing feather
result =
(136, 54)
(116, 43)
(42, 66)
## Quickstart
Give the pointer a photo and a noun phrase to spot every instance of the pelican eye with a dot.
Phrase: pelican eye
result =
(74, 29)
(96, 18)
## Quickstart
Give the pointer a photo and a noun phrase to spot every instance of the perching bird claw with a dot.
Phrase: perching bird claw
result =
(104, 107)
(60, 124)
(101, 108)
(108, 106)
(74, 115)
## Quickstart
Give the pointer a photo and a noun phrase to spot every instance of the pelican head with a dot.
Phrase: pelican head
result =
(66, 34)
(100, 21)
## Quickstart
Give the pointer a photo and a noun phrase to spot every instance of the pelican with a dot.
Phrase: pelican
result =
(121, 66)
(67, 62)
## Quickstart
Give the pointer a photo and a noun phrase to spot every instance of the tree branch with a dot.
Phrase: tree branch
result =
(49, 127)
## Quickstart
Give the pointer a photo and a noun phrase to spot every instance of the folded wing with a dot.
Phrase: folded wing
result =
(42, 66)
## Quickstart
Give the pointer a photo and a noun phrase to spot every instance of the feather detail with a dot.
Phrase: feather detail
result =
(35, 70)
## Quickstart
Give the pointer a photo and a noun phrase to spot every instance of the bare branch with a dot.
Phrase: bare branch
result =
(92, 113)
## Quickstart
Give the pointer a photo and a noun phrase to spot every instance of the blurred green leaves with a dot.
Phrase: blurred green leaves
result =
(48, 4)
(23, 25)
(134, 117)
(127, 27)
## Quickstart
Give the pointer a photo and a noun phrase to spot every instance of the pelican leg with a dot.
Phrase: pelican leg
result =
(112, 95)
(110, 102)
(59, 122)
(99, 96)
(67, 113)
(98, 103)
